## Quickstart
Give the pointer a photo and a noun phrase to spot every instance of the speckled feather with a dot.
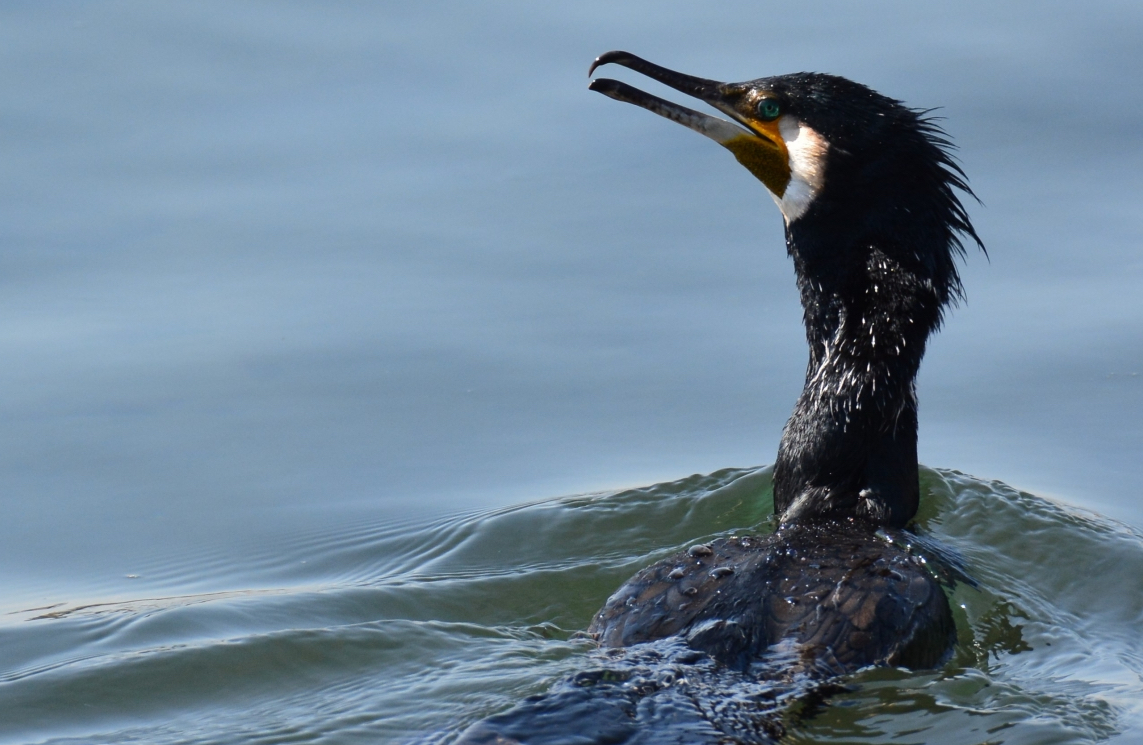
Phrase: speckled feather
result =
(843, 594)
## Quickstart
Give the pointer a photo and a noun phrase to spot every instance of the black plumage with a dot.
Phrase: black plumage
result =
(874, 227)
(875, 258)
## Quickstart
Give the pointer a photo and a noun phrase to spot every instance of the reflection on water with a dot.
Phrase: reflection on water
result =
(441, 623)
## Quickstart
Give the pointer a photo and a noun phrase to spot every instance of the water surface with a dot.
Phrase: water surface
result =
(409, 632)
(295, 300)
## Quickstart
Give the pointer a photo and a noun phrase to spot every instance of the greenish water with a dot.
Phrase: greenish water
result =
(408, 633)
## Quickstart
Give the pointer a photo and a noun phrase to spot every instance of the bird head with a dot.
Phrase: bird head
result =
(831, 152)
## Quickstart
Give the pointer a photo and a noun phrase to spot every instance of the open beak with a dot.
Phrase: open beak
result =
(758, 147)
(707, 91)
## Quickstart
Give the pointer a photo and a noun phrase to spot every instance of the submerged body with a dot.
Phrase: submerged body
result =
(701, 647)
(844, 594)
(715, 644)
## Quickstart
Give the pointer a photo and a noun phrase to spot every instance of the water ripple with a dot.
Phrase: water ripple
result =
(409, 632)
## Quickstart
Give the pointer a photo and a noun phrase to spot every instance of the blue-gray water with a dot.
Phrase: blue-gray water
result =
(300, 302)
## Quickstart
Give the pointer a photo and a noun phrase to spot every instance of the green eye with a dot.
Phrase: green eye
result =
(769, 109)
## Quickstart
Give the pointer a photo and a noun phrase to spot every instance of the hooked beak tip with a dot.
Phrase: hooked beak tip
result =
(608, 58)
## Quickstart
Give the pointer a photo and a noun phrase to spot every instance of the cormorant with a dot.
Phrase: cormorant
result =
(874, 226)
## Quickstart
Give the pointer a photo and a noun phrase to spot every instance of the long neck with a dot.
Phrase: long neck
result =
(850, 447)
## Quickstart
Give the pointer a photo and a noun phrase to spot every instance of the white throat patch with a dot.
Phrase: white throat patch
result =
(807, 150)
